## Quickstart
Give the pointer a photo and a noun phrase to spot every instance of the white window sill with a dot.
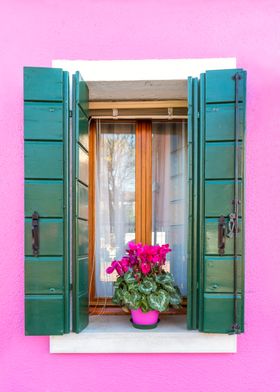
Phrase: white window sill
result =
(115, 334)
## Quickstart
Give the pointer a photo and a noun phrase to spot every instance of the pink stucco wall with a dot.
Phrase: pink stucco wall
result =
(35, 32)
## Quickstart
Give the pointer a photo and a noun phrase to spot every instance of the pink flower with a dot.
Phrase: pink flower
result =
(132, 246)
(120, 270)
(110, 270)
(165, 248)
(145, 268)
(125, 264)
(140, 257)
(156, 258)
(118, 266)
(133, 260)
(112, 267)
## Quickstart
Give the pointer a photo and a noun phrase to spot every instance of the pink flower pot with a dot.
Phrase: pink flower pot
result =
(145, 320)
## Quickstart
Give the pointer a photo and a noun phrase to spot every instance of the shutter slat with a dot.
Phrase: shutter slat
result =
(43, 121)
(219, 274)
(44, 275)
(43, 84)
(43, 160)
(44, 196)
(221, 126)
(44, 315)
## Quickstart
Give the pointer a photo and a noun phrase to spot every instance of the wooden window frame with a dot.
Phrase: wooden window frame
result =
(143, 209)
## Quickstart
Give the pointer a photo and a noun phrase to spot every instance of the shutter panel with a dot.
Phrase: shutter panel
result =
(46, 123)
(221, 278)
(80, 182)
(193, 156)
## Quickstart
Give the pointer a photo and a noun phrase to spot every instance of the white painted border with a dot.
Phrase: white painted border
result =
(170, 341)
(144, 343)
(115, 334)
(117, 70)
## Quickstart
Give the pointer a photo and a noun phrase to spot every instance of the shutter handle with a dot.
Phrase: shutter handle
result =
(221, 235)
(35, 233)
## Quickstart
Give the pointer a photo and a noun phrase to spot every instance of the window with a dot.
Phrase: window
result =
(139, 176)
(57, 224)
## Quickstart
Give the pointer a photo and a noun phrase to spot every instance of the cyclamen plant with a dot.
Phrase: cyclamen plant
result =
(142, 281)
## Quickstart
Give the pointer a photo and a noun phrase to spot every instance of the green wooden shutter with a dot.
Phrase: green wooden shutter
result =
(219, 111)
(80, 178)
(193, 155)
(46, 120)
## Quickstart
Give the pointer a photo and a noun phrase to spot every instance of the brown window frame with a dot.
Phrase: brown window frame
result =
(143, 209)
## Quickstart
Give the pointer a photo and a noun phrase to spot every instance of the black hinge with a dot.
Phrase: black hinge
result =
(71, 286)
(70, 113)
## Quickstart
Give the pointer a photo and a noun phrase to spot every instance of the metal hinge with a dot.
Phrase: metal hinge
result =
(70, 113)
(71, 286)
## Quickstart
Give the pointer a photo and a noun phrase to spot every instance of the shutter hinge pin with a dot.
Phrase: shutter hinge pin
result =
(70, 113)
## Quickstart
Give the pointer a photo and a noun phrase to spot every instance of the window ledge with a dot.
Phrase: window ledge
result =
(114, 334)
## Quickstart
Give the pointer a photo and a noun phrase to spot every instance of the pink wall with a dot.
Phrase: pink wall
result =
(34, 33)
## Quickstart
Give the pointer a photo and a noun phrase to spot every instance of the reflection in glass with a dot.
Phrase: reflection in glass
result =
(170, 195)
(115, 198)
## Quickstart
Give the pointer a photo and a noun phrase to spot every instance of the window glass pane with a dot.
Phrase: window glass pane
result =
(115, 198)
(170, 195)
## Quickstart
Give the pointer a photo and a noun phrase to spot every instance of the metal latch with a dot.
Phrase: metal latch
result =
(35, 233)
(221, 235)
(226, 229)
(232, 226)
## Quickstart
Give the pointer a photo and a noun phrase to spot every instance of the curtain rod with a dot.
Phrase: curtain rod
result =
(149, 104)
(136, 117)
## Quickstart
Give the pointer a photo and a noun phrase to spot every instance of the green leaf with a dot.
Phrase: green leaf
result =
(144, 304)
(116, 301)
(132, 299)
(165, 278)
(133, 286)
(129, 277)
(169, 287)
(175, 298)
(147, 286)
(150, 278)
(159, 300)
(119, 281)
(178, 291)
(118, 296)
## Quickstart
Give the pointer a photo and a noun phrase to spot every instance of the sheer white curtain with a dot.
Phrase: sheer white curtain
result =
(170, 204)
(114, 198)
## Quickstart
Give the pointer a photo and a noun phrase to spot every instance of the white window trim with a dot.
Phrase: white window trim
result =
(116, 335)
(118, 70)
